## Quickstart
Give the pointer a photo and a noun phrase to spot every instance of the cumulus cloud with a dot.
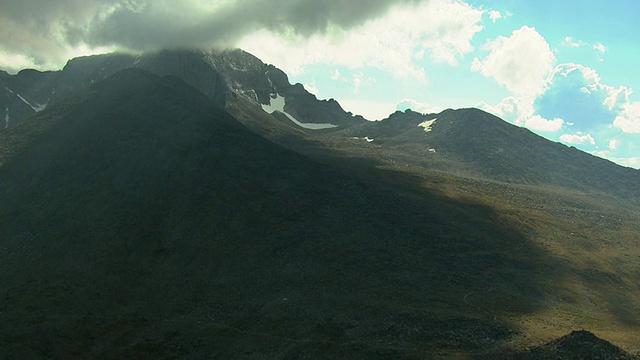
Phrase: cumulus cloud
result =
(628, 120)
(632, 161)
(417, 106)
(495, 15)
(537, 122)
(46, 30)
(394, 43)
(577, 139)
(520, 111)
(521, 62)
(613, 144)
(577, 94)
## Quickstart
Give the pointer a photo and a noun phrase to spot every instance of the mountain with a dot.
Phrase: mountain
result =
(476, 144)
(576, 345)
(140, 215)
(162, 207)
(467, 142)
(220, 75)
(24, 94)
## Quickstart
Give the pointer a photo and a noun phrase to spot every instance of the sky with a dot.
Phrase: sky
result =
(564, 69)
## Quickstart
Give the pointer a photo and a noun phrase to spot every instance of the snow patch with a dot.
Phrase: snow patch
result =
(364, 138)
(37, 107)
(427, 125)
(432, 150)
(6, 118)
(278, 102)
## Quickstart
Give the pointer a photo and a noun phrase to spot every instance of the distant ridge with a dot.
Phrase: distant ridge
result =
(475, 143)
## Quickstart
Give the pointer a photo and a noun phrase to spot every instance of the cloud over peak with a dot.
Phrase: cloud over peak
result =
(395, 43)
(520, 62)
(43, 31)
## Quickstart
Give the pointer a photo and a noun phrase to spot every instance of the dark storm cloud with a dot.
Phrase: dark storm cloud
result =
(36, 29)
(160, 24)
(50, 28)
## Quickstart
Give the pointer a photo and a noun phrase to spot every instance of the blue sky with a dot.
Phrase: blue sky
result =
(564, 69)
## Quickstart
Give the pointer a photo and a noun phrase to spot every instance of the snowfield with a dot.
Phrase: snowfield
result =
(427, 125)
(278, 103)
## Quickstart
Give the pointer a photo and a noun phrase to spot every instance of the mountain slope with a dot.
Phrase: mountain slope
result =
(473, 143)
(140, 219)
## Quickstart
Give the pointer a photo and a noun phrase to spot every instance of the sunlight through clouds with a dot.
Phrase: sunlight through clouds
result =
(392, 43)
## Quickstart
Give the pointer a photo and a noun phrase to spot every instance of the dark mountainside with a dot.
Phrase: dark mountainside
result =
(23, 94)
(140, 219)
(162, 225)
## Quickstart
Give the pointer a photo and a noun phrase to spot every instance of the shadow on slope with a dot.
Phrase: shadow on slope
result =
(141, 220)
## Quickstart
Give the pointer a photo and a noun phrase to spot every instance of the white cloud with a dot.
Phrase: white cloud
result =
(577, 139)
(495, 15)
(521, 62)
(371, 110)
(360, 80)
(520, 111)
(591, 83)
(632, 162)
(571, 42)
(600, 47)
(335, 75)
(613, 144)
(443, 29)
(628, 120)
(311, 88)
(577, 91)
(537, 122)
(507, 108)
(417, 106)
(15, 62)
